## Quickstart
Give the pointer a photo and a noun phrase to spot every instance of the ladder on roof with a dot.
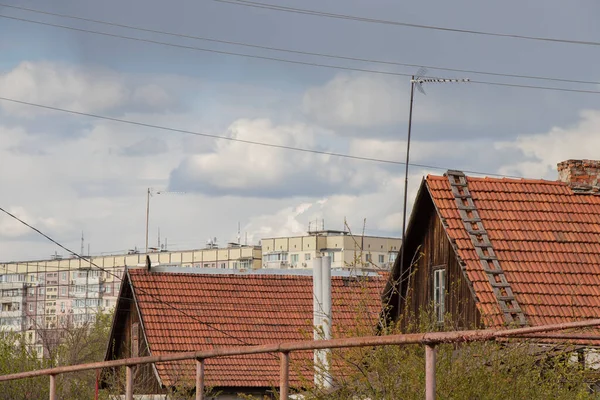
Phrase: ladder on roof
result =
(484, 249)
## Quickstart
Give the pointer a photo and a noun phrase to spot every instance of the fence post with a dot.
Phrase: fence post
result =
(430, 356)
(284, 377)
(199, 379)
(52, 387)
(129, 383)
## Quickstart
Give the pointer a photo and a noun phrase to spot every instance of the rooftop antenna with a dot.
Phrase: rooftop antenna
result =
(149, 194)
(158, 237)
(82, 245)
(417, 81)
(239, 237)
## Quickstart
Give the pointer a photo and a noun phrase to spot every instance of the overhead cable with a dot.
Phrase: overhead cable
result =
(274, 7)
(251, 142)
(311, 64)
(301, 52)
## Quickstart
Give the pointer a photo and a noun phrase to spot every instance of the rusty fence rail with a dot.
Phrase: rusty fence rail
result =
(429, 340)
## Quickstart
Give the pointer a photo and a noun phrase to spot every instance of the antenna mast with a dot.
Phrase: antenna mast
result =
(416, 81)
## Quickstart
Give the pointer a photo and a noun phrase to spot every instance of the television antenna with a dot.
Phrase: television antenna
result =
(417, 81)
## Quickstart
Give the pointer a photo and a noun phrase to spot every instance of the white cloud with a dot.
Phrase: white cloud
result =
(544, 151)
(83, 89)
(11, 228)
(237, 168)
(356, 100)
(371, 102)
(382, 209)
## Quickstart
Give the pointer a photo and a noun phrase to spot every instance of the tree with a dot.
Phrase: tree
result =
(77, 345)
(480, 370)
(16, 356)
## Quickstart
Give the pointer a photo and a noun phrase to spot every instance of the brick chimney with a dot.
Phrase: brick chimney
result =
(579, 173)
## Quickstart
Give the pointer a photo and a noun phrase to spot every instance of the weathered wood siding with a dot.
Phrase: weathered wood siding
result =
(126, 315)
(427, 248)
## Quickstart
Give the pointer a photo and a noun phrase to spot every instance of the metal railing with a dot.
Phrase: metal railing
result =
(429, 340)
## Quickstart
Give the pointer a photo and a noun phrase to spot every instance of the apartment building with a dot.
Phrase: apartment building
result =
(42, 297)
(346, 251)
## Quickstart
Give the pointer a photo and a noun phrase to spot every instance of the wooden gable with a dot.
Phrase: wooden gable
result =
(428, 248)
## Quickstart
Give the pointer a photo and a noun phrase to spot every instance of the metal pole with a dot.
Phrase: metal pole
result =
(326, 321)
(430, 355)
(199, 379)
(52, 387)
(317, 315)
(412, 95)
(129, 383)
(147, 216)
(97, 384)
(284, 377)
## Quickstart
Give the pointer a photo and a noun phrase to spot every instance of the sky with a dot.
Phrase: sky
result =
(68, 174)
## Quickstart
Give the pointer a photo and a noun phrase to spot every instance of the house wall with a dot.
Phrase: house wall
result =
(126, 315)
(430, 247)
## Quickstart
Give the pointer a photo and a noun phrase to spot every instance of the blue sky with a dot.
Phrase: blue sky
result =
(68, 174)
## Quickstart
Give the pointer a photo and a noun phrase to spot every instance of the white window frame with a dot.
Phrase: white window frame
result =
(439, 293)
(294, 259)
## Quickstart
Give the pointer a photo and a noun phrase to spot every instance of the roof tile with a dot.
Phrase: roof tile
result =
(546, 238)
(238, 310)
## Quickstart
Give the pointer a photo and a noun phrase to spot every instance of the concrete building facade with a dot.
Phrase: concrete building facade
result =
(346, 251)
(43, 297)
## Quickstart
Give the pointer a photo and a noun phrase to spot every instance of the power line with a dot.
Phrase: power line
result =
(252, 142)
(307, 53)
(230, 53)
(311, 64)
(267, 6)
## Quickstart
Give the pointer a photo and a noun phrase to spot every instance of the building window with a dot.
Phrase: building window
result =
(62, 306)
(439, 293)
(30, 307)
(306, 256)
(63, 276)
(393, 257)
(223, 266)
(368, 257)
(276, 257)
(381, 259)
(294, 259)
(63, 290)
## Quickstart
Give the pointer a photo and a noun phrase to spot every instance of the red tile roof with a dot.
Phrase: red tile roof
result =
(238, 310)
(546, 239)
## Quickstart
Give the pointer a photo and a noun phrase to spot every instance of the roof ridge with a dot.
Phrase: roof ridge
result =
(503, 179)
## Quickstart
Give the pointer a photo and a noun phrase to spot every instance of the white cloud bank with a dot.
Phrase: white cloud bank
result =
(82, 89)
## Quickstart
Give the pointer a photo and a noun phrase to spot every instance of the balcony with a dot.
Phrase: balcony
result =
(84, 295)
(91, 280)
(11, 314)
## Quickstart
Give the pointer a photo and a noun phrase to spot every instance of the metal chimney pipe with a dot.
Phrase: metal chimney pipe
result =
(327, 318)
(326, 296)
(317, 315)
